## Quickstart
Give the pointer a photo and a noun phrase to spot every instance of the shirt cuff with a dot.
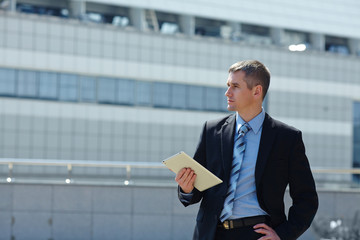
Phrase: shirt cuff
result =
(186, 196)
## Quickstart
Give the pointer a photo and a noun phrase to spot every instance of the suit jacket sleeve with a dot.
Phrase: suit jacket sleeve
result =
(302, 192)
(200, 156)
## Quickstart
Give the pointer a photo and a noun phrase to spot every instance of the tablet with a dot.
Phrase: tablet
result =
(204, 178)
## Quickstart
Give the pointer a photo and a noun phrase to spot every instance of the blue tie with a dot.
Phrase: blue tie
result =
(238, 156)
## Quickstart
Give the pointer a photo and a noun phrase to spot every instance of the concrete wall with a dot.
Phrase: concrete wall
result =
(44, 211)
(92, 212)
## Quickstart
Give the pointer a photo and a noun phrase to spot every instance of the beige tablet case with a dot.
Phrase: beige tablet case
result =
(204, 178)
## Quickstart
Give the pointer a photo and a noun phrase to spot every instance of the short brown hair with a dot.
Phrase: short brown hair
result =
(256, 73)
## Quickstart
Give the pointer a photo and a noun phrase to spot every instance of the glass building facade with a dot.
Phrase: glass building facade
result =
(78, 88)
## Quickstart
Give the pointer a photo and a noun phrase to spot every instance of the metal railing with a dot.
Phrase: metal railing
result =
(70, 164)
(128, 166)
(336, 170)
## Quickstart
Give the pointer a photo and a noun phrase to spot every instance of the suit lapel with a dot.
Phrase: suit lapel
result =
(267, 139)
(227, 145)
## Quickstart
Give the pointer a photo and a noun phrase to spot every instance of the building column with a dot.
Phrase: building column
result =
(354, 45)
(235, 31)
(317, 41)
(13, 5)
(77, 8)
(187, 24)
(137, 16)
(277, 36)
(9, 5)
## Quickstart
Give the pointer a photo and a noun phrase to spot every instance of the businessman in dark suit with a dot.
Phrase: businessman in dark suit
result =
(257, 157)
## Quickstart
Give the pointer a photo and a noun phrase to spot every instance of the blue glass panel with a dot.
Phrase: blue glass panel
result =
(143, 93)
(212, 99)
(7, 82)
(27, 83)
(223, 99)
(126, 91)
(162, 93)
(48, 85)
(178, 96)
(106, 90)
(196, 97)
(88, 89)
(68, 87)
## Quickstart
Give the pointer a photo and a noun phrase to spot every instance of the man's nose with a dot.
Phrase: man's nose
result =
(227, 92)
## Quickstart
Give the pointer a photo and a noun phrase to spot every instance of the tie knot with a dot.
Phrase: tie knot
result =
(244, 128)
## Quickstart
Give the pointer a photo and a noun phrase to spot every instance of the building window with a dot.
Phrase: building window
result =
(208, 27)
(116, 15)
(255, 30)
(143, 93)
(213, 99)
(126, 90)
(178, 96)
(48, 85)
(337, 45)
(88, 89)
(42, 10)
(356, 140)
(223, 99)
(27, 84)
(162, 93)
(295, 37)
(68, 87)
(168, 22)
(7, 82)
(196, 97)
(106, 90)
(255, 34)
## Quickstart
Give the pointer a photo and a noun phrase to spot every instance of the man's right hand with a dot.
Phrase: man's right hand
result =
(186, 178)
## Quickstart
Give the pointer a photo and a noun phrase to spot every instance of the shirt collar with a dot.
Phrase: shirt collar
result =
(255, 123)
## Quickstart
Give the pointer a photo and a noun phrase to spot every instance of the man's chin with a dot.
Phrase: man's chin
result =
(230, 108)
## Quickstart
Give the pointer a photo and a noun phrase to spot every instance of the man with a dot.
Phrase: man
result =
(256, 157)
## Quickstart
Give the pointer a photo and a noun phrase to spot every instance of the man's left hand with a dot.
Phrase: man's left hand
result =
(269, 233)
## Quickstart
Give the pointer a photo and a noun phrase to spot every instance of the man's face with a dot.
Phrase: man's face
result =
(239, 97)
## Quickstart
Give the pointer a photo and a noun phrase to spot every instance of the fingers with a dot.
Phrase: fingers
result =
(186, 178)
(268, 232)
(259, 228)
(183, 174)
(262, 225)
(180, 174)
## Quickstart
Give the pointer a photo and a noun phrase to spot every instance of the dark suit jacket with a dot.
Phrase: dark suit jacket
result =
(281, 161)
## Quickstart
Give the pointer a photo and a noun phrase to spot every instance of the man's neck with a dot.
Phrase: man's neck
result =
(248, 115)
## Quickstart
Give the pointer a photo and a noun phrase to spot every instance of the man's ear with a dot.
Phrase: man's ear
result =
(258, 91)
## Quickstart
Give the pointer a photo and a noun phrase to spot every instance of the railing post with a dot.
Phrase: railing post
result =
(69, 168)
(128, 175)
(10, 178)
